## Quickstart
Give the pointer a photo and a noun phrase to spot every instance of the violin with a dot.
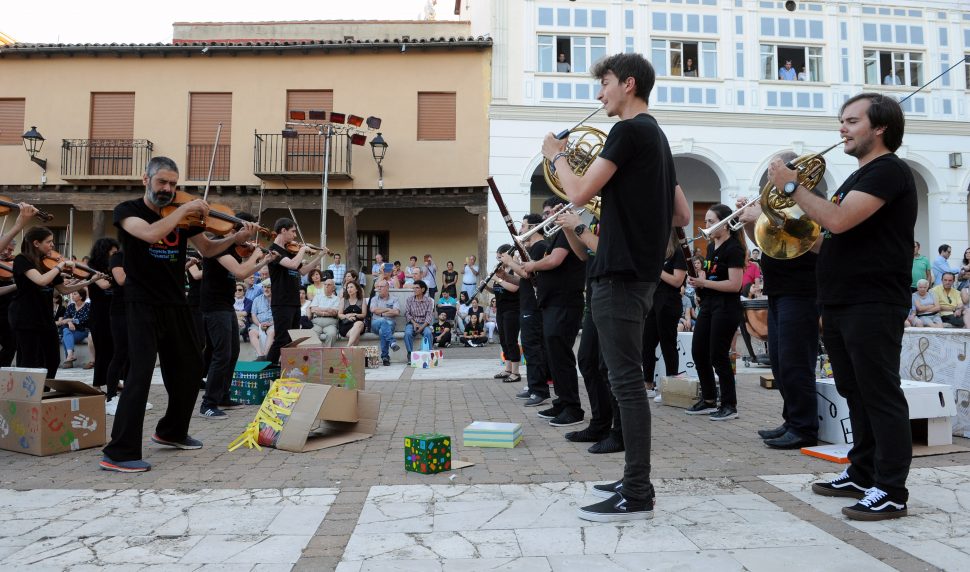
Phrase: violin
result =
(246, 249)
(73, 269)
(6, 271)
(293, 247)
(221, 220)
(7, 205)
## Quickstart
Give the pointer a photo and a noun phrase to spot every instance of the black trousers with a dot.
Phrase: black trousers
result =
(864, 342)
(716, 323)
(508, 333)
(104, 345)
(537, 371)
(39, 348)
(285, 318)
(793, 347)
(445, 339)
(560, 325)
(156, 330)
(222, 330)
(8, 340)
(604, 413)
(118, 366)
(661, 327)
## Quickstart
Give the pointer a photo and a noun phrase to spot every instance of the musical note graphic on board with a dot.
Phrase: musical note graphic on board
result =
(919, 369)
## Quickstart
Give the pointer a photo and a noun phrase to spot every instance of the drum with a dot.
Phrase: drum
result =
(756, 317)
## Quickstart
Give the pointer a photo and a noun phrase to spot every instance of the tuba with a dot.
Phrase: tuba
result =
(784, 231)
(583, 146)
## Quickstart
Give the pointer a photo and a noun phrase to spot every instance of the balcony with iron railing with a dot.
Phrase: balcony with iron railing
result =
(278, 157)
(104, 159)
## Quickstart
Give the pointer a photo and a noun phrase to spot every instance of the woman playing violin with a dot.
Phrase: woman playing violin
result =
(8, 341)
(31, 314)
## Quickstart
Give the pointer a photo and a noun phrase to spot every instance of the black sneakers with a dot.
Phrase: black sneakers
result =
(550, 413)
(524, 394)
(772, 433)
(840, 486)
(213, 413)
(566, 419)
(611, 444)
(724, 413)
(587, 435)
(185, 444)
(617, 509)
(537, 400)
(702, 408)
(608, 490)
(876, 505)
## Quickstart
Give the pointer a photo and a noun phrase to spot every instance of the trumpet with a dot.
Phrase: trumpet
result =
(549, 227)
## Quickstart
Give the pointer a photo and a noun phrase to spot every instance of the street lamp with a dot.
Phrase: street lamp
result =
(33, 142)
(378, 147)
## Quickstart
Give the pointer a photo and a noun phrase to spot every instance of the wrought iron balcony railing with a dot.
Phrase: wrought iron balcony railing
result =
(300, 157)
(97, 158)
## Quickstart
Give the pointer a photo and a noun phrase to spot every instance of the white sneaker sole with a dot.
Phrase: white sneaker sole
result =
(701, 412)
(614, 517)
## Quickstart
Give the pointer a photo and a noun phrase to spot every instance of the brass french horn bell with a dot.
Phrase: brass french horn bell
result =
(583, 146)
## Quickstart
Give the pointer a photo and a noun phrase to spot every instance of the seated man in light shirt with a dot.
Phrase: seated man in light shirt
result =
(384, 308)
(951, 301)
(262, 322)
(323, 312)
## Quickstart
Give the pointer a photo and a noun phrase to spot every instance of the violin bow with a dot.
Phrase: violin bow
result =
(293, 216)
(212, 163)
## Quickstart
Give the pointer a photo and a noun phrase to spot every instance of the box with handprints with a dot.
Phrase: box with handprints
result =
(490, 434)
(251, 381)
(427, 359)
(427, 453)
(342, 367)
(67, 418)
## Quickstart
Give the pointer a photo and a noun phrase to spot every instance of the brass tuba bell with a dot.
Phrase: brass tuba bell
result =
(783, 230)
(582, 148)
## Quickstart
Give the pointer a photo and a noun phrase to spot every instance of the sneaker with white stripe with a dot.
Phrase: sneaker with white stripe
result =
(876, 505)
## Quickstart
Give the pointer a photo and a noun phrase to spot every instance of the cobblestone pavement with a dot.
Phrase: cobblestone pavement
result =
(239, 508)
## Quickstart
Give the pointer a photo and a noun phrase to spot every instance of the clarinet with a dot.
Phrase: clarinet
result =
(485, 282)
(685, 248)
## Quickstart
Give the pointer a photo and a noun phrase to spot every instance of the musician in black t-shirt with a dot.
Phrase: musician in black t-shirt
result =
(719, 286)
(792, 338)
(530, 316)
(868, 231)
(560, 280)
(118, 367)
(220, 274)
(8, 340)
(284, 275)
(507, 320)
(159, 321)
(661, 326)
(635, 176)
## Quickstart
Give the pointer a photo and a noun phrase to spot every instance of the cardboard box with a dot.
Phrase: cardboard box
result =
(309, 361)
(69, 418)
(680, 391)
(931, 408)
(939, 355)
(685, 342)
(251, 381)
(427, 453)
(489, 434)
(768, 382)
(298, 416)
(426, 359)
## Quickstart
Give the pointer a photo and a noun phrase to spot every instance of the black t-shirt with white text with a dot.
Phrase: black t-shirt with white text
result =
(32, 307)
(155, 273)
(563, 285)
(719, 260)
(637, 202)
(218, 292)
(285, 282)
(878, 252)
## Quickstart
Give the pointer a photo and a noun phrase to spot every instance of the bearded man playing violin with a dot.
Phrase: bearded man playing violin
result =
(154, 234)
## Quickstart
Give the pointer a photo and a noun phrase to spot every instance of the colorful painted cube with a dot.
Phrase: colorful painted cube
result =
(427, 359)
(427, 453)
(251, 381)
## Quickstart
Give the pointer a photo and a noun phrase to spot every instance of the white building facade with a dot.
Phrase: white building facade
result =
(720, 96)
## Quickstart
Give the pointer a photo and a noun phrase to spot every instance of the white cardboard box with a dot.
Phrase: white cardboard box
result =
(929, 403)
(684, 342)
(939, 355)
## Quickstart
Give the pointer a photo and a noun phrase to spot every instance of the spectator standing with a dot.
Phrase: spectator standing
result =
(376, 269)
(338, 269)
(449, 279)
(921, 268)
(803, 75)
(413, 271)
(689, 69)
(431, 276)
(469, 277)
(941, 264)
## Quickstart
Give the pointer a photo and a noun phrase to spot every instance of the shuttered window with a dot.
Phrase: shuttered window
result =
(436, 116)
(206, 111)
(12, 121)
(305, 153)
(112, 129)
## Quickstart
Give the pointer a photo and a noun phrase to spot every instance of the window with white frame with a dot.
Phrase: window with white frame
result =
(966, 68)
(893, 68)
(569, 54)
(806, 61)
(679, 58)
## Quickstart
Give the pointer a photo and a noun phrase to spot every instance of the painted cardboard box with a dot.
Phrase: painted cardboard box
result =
(939, 355)
(251, 381)
(309, 361)
(685, 342)
(68, 418)
(427, 453)
(427, 358)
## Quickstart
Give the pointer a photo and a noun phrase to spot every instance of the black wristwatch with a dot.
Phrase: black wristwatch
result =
(790, 187)
(580, 229)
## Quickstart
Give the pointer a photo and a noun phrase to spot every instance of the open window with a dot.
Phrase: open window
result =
(678, 58)
(893, 68)
(795, 63)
